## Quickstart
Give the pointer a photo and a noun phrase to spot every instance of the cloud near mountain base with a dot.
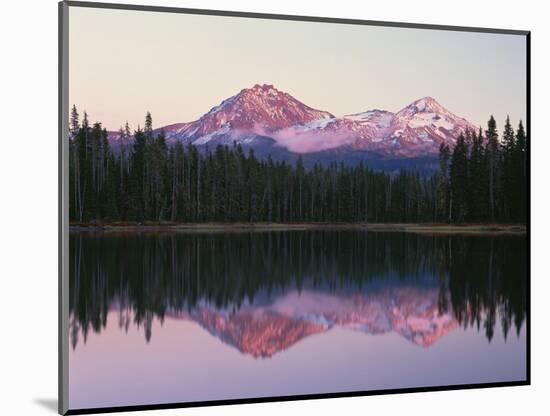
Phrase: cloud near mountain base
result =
(299, 141)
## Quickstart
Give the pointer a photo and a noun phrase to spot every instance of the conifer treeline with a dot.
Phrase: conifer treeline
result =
(147, 180)
(484, 179)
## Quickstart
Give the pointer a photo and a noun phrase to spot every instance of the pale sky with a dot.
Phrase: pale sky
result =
(124, 63)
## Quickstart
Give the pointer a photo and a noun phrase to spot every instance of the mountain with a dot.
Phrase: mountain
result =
(274, 123)
(414, 131)
(265, 329)
(423, 125)
(254, 112)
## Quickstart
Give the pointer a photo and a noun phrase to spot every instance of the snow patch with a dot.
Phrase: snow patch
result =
(316, 124)
(207, 137)
(430, 119)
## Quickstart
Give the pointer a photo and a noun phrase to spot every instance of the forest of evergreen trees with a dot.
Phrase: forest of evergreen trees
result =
(482, 179)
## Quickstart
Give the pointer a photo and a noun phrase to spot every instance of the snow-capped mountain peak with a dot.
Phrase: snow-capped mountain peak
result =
(260, 107)
(423, 125)
(423, 105)
(274, 122)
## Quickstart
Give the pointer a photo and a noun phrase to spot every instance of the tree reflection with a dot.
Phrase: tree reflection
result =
(144, 276)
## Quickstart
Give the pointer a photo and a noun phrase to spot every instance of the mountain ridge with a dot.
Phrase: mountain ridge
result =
(273, 122)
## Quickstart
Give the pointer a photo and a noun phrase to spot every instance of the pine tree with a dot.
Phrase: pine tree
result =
(509, 179)
(477, 180)
(136, 180)
(148, 128)
(520, 172)
(81, 168)
(459, 180)
(74, 123)
(74, 172)
(508, 138)
(492, 152)
(443, 186)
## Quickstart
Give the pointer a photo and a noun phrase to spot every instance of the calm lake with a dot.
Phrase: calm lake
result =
(179, 317)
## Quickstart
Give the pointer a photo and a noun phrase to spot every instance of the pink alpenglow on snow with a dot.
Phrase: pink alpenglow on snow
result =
(263, 115)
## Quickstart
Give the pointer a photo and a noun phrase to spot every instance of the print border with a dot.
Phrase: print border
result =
(63, 192)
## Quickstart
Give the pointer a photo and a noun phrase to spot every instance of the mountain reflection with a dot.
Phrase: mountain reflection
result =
(263, 292)
(262, 331)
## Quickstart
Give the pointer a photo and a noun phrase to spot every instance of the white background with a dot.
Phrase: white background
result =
(28, 204)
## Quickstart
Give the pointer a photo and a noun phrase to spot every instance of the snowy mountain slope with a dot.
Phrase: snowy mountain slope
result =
(273, 122)
(423, 125)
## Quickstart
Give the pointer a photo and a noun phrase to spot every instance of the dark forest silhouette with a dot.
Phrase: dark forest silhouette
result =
(481, 179)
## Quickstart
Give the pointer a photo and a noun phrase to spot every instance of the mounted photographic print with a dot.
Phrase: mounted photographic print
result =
(263, 207)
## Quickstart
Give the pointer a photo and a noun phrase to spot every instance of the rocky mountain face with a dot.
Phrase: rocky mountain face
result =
(274, 123)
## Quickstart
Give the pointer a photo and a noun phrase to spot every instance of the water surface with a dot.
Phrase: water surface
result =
(175, 317)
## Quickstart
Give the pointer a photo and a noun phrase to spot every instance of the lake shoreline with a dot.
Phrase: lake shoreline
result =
(212, 227)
